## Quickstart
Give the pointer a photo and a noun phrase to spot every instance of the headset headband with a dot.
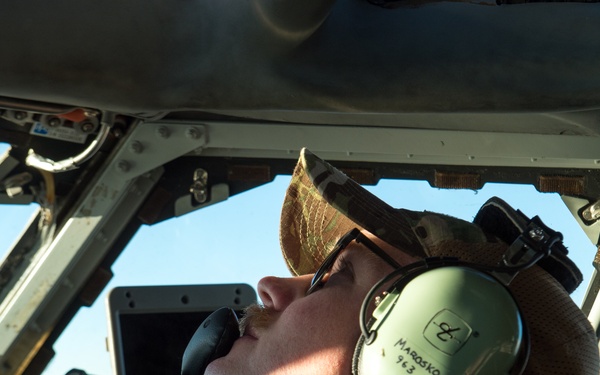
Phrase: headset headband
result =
(498, 218)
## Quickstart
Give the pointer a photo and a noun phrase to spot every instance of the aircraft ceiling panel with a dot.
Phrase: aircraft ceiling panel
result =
(324, 56)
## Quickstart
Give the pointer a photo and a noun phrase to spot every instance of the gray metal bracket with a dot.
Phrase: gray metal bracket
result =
(61, 264)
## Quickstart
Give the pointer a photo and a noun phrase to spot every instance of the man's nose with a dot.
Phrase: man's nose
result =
(277, 292)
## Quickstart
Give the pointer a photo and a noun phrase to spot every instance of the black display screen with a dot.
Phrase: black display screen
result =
(153, 344)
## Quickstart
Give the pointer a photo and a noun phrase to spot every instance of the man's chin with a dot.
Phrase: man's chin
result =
(213, 368)
(232, 363)
(223, 366)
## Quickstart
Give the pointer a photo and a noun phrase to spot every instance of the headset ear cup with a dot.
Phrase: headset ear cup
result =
(524, 352)
(474, 309)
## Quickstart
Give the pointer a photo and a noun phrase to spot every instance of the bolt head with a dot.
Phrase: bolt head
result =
(20, 115)
(536, 234)
(163, 132)
(198, 190)
(87, 127)
(123, 166)
(136, 147)
(54, 122)
(193, 133)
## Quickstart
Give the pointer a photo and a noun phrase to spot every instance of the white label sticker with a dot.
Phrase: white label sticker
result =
(61, 132)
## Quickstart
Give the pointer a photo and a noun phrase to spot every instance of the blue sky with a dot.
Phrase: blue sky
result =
(237, 241)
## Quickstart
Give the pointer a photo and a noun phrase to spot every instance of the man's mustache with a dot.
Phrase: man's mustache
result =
(258, 317)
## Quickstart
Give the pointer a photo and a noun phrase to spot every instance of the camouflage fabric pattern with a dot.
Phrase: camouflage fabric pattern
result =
(322, 204)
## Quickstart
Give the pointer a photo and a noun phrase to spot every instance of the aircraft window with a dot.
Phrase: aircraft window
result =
(13, 217)
(12, 221)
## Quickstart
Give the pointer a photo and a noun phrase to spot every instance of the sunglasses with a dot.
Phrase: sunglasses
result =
(341, 245)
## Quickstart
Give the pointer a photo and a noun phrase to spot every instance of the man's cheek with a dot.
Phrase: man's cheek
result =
(319, 319)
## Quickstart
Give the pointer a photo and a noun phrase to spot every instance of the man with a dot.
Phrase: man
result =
(311, 326)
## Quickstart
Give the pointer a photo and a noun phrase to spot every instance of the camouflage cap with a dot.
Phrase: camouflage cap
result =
(322, 204)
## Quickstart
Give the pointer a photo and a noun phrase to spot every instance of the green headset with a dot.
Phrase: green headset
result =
(445, 316)
(439, 316)
(442, 316)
